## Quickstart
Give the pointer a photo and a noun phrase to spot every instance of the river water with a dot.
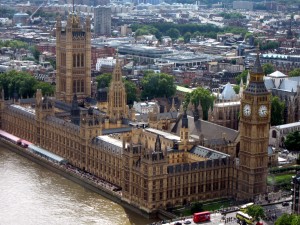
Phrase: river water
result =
(31, 195)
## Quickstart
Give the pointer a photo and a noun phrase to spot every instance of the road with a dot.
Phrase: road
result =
(271, 211)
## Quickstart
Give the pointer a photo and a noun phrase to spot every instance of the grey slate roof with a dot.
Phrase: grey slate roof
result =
(269, 84)
(209, 130)
(208, 153)
(170, 115)
(288, 85)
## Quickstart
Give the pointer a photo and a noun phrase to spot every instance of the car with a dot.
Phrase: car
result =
(285, 204)
(187, 222)
(285, 151)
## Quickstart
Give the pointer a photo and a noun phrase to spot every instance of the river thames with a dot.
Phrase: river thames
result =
(31, 195)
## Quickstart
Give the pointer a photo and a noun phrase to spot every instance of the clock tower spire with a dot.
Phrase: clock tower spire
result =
(254, 135)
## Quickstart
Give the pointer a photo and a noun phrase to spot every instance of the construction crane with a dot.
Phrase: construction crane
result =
(40, 6)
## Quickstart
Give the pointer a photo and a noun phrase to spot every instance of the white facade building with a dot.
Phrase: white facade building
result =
(278, 133)
(145, 107)
(109, 61)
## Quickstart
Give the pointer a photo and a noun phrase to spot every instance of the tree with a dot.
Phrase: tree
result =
(256, 211)
(35, 52)
(173, 33)
(268, 68)
(14, 44)
(243, 76)
(292, 141)
(295, 73)
(287, 219)
(197, 207)
(130, 91)
(196, 34)
(47, 89)
(277, 109)
(141, 31)
(204, 96)
(157, 85)
(17, 82)
(104, 80)
(187, 37)
(236, 88)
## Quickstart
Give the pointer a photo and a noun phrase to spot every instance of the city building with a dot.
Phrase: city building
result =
(109, 61)
(246, 5)
(73, 59)
(145, 107)
(102, 20)
(278, 133)
(176, 160)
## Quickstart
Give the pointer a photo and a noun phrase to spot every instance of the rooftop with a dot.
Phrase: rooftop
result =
(288, 125)
(164, 134)
(184, 89)
(208, 153)
(111, 140)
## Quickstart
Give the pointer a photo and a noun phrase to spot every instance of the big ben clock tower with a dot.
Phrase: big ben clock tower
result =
(254, 136)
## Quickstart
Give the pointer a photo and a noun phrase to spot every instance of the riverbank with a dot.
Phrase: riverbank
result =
(78, 178)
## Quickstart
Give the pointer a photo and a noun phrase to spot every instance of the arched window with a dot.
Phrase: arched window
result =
(74, 60)
(82, 60)
(74, 86)
(274, 134)
(82, 86)
(78, 60)
(78, 85)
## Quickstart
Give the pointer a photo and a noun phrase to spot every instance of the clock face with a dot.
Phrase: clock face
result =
(263, 111)
(247, 110)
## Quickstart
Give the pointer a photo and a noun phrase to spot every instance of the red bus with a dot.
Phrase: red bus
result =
(201, 217)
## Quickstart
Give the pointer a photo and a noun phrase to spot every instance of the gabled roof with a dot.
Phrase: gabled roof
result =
(269, 83)
(228, 93)
(210, 131)
(288, 85)
(277, 74)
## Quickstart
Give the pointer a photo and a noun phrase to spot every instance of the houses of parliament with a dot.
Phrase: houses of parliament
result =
(189, 160)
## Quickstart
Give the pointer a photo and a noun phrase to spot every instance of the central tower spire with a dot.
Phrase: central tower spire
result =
(117, 97)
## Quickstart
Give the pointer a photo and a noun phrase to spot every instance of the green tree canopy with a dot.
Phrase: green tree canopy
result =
(243, 75)
(141, 31)
(157, 85)
(187, 37)
(130, 91)
(35, 52)
(207, 30)
(268, 68)
(233, 15)
(292, 141)
(17, 82)
(256, 211)
(203, 96)
(105, 79)
(14, 44)
(277, 109)
(173, 33)
(236, 88)
(196, 34)
(287, 219)
(295, 73)
(47, 89)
